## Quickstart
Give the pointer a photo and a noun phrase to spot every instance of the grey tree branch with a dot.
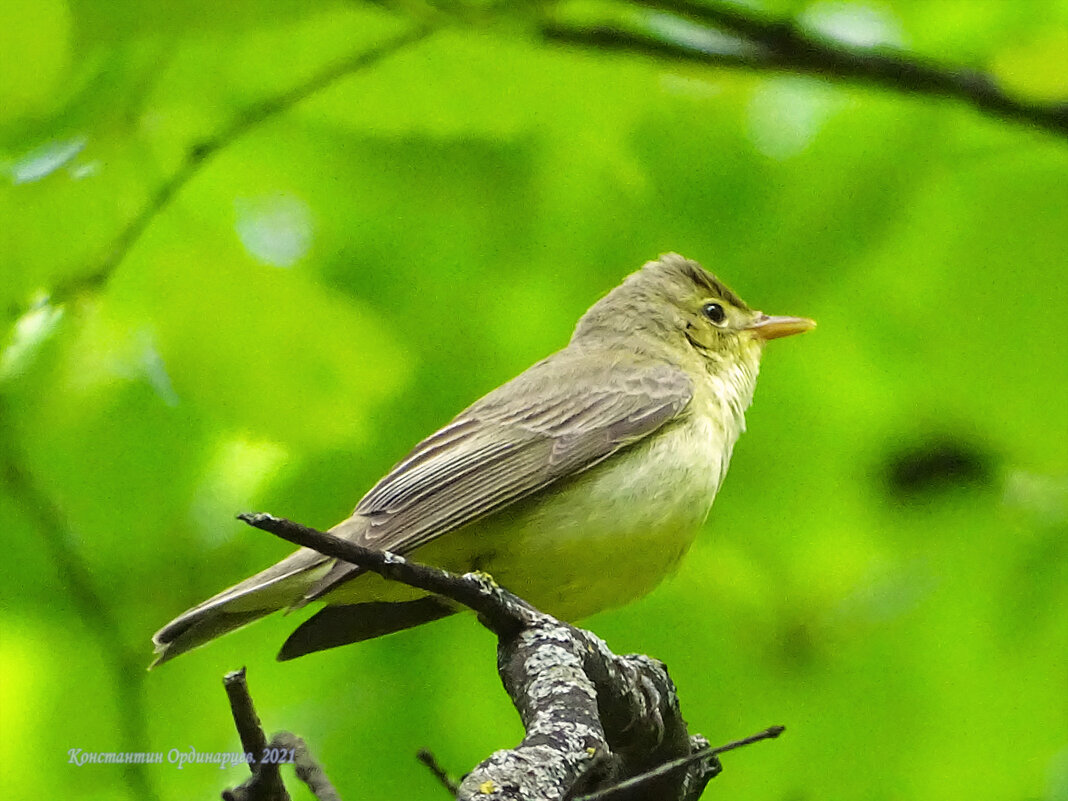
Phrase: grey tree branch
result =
(763, 43)
(596, 723)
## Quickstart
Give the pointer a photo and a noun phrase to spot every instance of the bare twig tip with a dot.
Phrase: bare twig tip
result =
(234, 676)
(261, 520)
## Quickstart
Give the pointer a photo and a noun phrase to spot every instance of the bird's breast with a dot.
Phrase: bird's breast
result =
(605, 536)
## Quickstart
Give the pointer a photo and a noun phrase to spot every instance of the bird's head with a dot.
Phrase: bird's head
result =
(676, 304)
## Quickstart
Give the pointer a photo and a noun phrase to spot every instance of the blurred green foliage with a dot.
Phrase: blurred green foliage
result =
(886, 569)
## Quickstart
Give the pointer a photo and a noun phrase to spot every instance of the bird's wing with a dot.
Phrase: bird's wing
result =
(552, 421)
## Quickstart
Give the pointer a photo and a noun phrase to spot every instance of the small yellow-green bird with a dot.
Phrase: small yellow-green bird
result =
(578, 485)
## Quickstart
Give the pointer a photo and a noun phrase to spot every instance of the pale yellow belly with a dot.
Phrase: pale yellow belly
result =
(598, 540)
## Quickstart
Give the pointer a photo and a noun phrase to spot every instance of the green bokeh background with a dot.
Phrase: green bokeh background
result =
(886, 569)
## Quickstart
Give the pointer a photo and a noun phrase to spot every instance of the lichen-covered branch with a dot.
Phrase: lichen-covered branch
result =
(596, 723)
(592, 719)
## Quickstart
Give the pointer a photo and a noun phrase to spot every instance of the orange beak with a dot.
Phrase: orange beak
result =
(767, 327)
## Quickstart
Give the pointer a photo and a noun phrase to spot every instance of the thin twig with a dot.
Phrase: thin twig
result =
(266, 781)
(428, 759)
(93, 605)
(249, 729)
(307, 768)
(677, 765)
(781, 45)
(502, 611)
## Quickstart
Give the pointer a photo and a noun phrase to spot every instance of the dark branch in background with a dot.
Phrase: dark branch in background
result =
(123, 663)
(727, 36)
(201, 153)
(598, 725)
(722, 36)
(265, 783)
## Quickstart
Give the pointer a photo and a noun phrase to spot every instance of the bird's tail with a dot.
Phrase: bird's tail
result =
(277, 587)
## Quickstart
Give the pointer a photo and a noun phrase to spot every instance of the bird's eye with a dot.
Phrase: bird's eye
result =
(714, 312)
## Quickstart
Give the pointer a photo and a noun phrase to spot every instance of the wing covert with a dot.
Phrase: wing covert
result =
(506, 447)
(498, 451)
